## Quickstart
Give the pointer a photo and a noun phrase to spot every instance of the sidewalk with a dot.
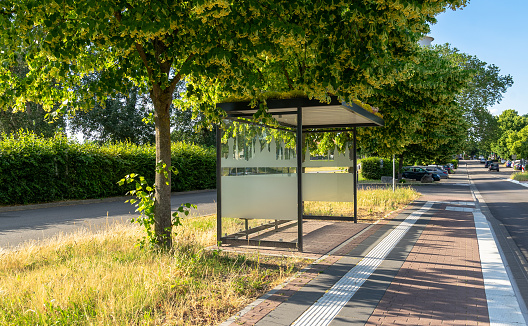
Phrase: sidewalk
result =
(434, 263)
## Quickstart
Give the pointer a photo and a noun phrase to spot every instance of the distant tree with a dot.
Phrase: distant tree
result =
(518, 143)
(502, 146)
(122, 118)
(487, 88)
(511, 120)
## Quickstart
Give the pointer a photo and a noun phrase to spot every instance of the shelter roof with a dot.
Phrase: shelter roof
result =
(315, 114)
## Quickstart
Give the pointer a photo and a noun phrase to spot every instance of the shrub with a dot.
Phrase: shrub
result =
(455, 163)
(373, 169)
(35, 169)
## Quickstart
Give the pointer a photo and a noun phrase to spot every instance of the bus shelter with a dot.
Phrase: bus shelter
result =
(262, 178)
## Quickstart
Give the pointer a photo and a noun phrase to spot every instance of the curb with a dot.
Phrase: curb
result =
(85, 201)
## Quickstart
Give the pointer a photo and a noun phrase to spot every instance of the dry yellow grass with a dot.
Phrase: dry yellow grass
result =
(103, 279)
(373, 204)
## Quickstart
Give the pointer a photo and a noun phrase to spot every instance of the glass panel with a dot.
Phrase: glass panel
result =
(262, 196)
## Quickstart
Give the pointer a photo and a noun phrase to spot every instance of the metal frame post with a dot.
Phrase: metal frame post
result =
(218, 184)
(300, 204)
(393, 173)
(354, 158)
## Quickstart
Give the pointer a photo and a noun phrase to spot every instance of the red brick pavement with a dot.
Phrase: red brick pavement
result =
(441, 282)
(316, 243)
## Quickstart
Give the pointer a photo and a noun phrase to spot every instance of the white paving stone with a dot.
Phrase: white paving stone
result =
(503, 307)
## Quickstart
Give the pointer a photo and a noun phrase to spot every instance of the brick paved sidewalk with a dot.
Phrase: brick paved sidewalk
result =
(441, 280)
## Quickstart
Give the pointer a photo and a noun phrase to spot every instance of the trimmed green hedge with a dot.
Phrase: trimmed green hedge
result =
(34, 169)
(372, 169)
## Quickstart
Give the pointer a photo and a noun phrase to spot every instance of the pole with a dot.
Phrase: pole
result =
(354, 158)
(218, 185)
(393, 173)
(300, 204)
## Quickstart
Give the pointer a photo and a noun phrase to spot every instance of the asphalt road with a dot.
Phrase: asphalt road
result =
(507, 201)
(37, 222)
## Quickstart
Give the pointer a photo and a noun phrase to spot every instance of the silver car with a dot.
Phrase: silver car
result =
(442, 173)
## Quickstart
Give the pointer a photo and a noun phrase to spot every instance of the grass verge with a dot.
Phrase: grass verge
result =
(373, 203)
(104, 279)
(519, 176)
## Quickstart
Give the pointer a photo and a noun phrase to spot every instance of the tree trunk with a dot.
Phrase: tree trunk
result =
(162, 100)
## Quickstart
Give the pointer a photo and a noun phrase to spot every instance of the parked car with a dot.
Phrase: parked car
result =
(482, 160)
(417, 173)
(509, 164)
(449, 169)
(493, 167)
(434, 169)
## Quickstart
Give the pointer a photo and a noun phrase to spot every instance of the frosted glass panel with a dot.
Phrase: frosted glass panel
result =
(272, 196)
(328, 187)
(331, 159)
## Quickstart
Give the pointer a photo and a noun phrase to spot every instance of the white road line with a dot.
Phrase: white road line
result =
(503, 307)
(459, 209)
(324, 310)
(519, 183)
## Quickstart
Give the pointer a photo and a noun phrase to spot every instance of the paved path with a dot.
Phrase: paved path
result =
(19, 224)
(434, 263)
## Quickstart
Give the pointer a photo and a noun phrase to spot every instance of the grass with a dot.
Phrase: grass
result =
(373, 204)
(519, 176)
(325, 169)
(104, 279)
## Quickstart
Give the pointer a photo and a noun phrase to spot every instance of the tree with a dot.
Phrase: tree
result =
(422, 119)
(120, 119)
(518, 142)
(33, 117)
(511, 120)
(502, 146)
(338, 47)
(486, 89)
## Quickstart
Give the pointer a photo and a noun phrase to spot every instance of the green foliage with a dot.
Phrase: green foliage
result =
(372, 168)
(422, 119)
(144, 204)
(35, 169)
(120, 119)
(486, 88)
(455, 163)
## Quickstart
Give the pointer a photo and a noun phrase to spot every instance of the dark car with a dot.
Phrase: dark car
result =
(493, 167)
(487, 164)
(417, 173)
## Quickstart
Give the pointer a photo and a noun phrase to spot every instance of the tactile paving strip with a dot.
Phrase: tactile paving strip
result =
(323, 311)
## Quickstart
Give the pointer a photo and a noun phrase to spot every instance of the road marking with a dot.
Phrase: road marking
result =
(324, 310)
(461, 203)
(459, 209)
(519, 183)
(503, 307)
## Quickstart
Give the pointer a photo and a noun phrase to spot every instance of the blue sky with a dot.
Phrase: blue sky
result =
(497, 33)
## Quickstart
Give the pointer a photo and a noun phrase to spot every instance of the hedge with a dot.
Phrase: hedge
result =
(372, 169)
(35, 169)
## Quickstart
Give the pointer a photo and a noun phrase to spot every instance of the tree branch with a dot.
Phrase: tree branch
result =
(177, 77)
(290, 85)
